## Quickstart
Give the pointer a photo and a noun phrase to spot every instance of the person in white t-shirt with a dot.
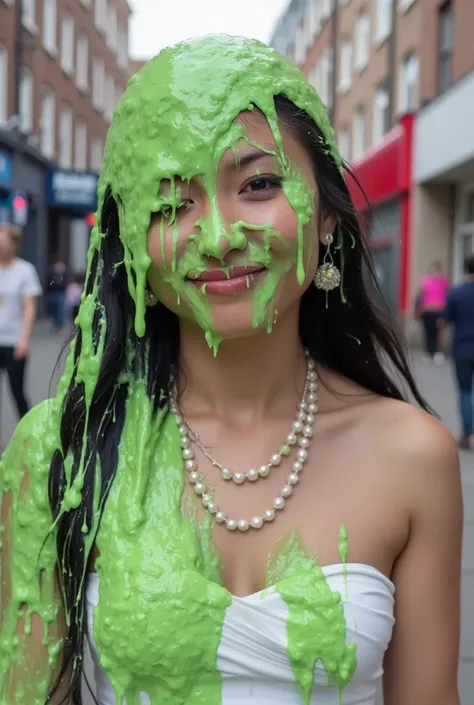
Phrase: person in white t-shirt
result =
(19, 289)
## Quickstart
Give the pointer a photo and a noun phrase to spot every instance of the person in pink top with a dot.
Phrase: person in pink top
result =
(432, 297)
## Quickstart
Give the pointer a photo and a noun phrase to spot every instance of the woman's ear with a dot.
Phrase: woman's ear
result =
(328, 225)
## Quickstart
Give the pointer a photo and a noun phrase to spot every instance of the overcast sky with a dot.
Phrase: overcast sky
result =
(159, 23)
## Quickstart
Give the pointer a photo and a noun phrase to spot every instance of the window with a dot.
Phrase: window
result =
(345, 78)
(344, 143)
(109, 98)
(326, 9)
(97, 154)
(67, 44)
(26, 100)
(362, 41)
(408, 84)
(98, 81)
(122, 42)
(383, 19)
(65, 138)
(28, 14)
(48, 115)
(3, 84)
(445, 46)
(314, 17)
(381, 117)
(360, 134)
(100, 15)
(49, 25)
(112, 29)
(468, 218)
(80, 145)
(82, 62)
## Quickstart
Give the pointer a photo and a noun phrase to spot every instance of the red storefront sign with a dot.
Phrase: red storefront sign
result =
(385, 173)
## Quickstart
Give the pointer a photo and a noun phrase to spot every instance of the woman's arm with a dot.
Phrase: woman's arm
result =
(422, 660)
(31, 619)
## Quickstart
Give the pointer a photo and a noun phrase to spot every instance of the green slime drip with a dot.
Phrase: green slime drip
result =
(162, 604)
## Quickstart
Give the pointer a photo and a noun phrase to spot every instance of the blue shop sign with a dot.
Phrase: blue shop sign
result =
(66, 188)
(6, 170)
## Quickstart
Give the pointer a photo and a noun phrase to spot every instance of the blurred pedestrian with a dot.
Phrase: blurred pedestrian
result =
(459, 312)
(19, 289)
(57, 279)
(73, 296)
(430, 305)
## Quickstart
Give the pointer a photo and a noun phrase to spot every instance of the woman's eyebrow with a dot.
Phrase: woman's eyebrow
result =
(243, 160)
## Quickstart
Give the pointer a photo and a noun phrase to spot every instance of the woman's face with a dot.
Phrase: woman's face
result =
(234, 256)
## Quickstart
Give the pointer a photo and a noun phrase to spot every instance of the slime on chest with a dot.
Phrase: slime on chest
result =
(176, 118)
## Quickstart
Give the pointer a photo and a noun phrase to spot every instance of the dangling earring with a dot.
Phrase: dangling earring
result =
(328, 277)
(150, 298)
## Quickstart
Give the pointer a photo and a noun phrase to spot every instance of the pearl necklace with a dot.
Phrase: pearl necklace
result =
(299, 438)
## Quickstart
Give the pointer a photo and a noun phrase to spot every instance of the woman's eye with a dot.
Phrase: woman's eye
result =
(166, 211)
(263, 184)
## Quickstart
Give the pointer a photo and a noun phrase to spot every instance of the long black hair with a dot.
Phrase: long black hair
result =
(353, 337)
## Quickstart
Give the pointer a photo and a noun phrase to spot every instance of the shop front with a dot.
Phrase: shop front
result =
(6, 183)
(71, 197)
(385, 175)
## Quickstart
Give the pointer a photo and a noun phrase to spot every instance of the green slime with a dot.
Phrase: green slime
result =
(162, 601)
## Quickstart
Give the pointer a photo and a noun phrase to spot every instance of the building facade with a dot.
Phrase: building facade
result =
(444, 140)
(63, 65)
(397, 77)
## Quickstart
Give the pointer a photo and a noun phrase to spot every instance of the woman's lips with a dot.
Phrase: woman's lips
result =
(233, 281)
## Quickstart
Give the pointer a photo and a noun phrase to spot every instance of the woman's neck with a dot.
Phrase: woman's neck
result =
(249, 376)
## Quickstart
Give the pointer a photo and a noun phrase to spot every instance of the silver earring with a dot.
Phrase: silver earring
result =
(328, 276)
(150, 298)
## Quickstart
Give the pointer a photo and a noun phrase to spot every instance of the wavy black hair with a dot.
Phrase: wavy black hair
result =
(353, 337)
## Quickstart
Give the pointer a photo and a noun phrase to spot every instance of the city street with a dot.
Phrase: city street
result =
(436, 384)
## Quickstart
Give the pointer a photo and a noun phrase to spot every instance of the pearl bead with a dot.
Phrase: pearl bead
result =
(312, 398)
(310, 419)
(226, 474)
(187, 453)
(252, 475)
(308, 432)
(276, 459)
(212, 508)
(304, 442)
(185, 442)
(285, 450)
(181, 427)
(310, 364)
(312, 375)
(297, 467)
(256, 522)
(302, 455)
(302, 406)
(220, 517)
(200, 488)
(286, 491)
(243, 525)
(264, 471)
(301, 416)
(279, 503)
(206, 499)
(269, 515)
(194, 477)
(313, 408)
(313, 387)
(293, 479)
(190, 465)
(231, 524)
(297, 427)
(238, 478)
(291, 439)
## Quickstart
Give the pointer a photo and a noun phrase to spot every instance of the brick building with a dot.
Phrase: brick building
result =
(63, 65)
(394, 75)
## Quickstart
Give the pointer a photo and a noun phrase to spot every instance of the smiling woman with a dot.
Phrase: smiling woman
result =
(229, 498)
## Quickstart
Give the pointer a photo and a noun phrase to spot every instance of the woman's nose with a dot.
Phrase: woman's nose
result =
(216, 238)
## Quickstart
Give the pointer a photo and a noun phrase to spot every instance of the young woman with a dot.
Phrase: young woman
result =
(432, 298)
(229, 498)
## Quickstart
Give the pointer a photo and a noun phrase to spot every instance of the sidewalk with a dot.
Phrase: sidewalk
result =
(437, 386)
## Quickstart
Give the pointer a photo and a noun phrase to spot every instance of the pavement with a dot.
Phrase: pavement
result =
(437, 386)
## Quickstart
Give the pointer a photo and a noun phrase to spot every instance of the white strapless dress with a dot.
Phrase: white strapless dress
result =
(252, 655)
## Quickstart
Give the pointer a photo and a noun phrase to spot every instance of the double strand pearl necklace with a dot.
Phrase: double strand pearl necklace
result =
(298, 439)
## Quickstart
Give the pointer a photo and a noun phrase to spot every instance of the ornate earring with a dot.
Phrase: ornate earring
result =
(328, 277)
(150, 298)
